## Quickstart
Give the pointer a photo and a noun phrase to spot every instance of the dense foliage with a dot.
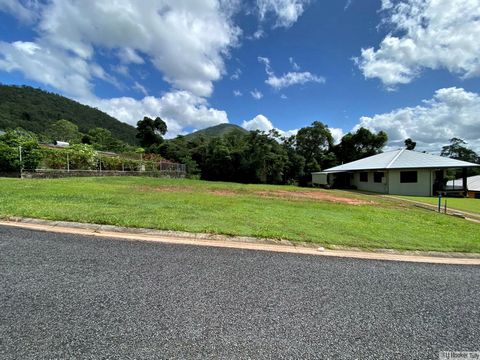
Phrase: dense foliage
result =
(19, 149)
(259, 157)
(150, 132)
(85, 157)
(459, 151)
(36, 110)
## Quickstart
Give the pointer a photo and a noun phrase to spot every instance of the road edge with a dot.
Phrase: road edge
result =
(236, 242)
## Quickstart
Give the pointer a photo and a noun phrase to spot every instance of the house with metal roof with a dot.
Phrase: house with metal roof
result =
(473, 185)
(400, 172)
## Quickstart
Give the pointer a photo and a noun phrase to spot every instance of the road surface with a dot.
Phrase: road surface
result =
(69, 296)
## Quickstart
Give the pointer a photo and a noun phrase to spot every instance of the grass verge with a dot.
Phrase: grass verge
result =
(463, 204)
(312, 215)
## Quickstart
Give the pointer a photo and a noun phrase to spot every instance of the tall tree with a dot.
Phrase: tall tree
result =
(314, 143)
(100, 138)
(458, 150)
(360, 144)
(410, 144)
(295, 165)
(150, 132)
(64, 130)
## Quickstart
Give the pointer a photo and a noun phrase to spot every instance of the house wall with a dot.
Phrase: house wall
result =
(391, 183)
(370, 185)
(319, 179)
(423, 186)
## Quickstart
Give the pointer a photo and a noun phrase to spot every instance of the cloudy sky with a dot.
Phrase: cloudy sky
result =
(410, 67)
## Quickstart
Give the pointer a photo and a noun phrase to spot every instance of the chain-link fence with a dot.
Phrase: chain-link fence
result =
(85, 162)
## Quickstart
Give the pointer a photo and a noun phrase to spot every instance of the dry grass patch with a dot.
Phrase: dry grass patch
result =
(314, 195)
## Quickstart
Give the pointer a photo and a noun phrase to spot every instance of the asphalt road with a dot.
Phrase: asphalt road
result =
(65, 296)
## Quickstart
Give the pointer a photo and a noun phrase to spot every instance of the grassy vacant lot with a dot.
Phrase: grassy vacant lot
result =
(326, 217)
(466, 204)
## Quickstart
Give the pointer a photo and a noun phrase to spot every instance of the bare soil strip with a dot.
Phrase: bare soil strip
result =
(291, 195)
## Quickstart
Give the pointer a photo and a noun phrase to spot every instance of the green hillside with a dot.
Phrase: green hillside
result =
(35, 109)
(217, 131)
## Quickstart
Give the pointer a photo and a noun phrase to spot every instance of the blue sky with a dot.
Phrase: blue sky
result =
(409, 67)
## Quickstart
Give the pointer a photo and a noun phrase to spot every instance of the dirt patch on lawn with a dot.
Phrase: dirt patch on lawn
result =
(168, 189)
(188, 189)
(312, 195)
(223, 192)
(283, 194)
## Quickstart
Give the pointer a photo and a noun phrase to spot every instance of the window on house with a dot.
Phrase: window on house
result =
(408, 176)
(364, 176)
(377, 176)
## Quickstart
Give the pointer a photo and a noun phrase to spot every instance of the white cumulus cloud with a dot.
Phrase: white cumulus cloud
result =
(262, 123)
(337, 134)
(290, 78)
(285, 12)
(452, 112)
(179, 109)
(52, 67)
(259, 122)
(426, 34)
(293, 78)
(185, 40)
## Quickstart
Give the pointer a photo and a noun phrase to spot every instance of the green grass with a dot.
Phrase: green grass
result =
(235, 209)
(466, 204)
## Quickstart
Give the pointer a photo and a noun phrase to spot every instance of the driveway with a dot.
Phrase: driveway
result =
(69, 296)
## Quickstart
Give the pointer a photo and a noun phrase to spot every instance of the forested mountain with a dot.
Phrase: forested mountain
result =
(217, 131)
(35, 110)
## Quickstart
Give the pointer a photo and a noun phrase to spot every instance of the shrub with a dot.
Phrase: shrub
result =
(111, 163)
(82, 157)
(10, 145)
(54, 159)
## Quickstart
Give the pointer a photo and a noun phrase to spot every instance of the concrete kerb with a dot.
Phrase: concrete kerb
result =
(238, 242)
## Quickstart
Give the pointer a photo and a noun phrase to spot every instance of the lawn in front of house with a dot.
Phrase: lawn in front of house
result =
(326, 217)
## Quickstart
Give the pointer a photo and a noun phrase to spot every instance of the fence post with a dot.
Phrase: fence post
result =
(21, 161)
(68, 163)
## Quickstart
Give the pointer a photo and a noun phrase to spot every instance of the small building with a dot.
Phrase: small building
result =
(62, 144)
(473, 186)
(399, 172)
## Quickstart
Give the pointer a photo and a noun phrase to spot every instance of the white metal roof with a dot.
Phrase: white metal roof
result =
(473, 183)
(401, 159)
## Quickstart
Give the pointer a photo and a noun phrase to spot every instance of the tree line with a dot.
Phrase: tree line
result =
(260, 157)
(268, 157)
